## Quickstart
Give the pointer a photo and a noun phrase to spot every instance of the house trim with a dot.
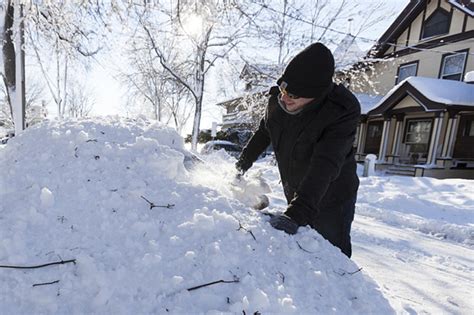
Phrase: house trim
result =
(464, 23)
(433, 44)
(404, 90)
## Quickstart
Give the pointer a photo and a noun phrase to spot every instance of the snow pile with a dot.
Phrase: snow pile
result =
(115, 196)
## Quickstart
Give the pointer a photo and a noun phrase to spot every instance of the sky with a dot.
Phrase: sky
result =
(109, 92)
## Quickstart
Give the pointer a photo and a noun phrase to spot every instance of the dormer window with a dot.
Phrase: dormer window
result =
(436, 24)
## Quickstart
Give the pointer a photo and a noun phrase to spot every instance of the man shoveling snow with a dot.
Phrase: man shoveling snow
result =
(311, 123)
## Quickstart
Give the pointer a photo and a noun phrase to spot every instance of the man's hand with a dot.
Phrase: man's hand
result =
(284, 223)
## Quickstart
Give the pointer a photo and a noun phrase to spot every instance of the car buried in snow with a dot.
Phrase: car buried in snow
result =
(216, 145)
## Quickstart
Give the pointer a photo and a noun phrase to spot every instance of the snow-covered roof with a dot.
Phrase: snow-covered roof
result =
(447, 92)
(466, 6)
(367, 101)
(221, 142)
(435, 94)
(469, 77)
(347, 52)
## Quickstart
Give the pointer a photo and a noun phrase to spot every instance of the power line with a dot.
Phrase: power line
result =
(361, 38)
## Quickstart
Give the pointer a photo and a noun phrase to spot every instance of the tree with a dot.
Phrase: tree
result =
(290, 25)
(79, 101)
(203, 31)
(12, 31)
(34, 107)
(74, 32)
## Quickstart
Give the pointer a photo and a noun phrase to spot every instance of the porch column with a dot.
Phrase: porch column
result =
(450, 136)
(384, 141)
(361, 136)
(434, 141)
(396, 139)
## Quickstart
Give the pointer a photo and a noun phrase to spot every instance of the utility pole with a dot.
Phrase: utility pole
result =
(20, 99)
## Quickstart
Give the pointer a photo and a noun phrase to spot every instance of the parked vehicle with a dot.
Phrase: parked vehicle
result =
(7, 137)
(216, 145)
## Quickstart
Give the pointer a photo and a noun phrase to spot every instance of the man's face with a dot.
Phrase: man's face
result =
(293, 104)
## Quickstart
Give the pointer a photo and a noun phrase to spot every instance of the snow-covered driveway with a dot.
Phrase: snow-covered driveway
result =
(418, 273)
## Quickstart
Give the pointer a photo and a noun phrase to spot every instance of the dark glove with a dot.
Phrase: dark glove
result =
(284, 223)
(242, 166)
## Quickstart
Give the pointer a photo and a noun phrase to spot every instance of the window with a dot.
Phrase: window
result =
(407, 70)
(418, 131)
(469, 128)
(417, 136)
(452, 66)
(373, 137)
(436, 24)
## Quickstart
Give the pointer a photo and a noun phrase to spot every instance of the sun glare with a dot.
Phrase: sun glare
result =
(193, 25)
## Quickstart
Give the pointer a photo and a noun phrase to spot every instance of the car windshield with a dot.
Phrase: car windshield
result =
(227, 147)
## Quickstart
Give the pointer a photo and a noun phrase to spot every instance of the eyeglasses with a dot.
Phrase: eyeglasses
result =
(283, 91)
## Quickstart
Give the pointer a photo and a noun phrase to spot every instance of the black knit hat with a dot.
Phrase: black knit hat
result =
(309, 73)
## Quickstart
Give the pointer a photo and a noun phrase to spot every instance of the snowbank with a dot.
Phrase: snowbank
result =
(79, 190)
(443, 208)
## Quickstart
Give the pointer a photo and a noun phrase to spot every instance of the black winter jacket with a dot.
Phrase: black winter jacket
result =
(314, 151)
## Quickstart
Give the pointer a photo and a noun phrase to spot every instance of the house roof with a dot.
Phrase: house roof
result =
(367, 101)
(347, 52)
(432, 94)
(467, 6)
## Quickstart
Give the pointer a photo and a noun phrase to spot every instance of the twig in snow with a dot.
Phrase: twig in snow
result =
(92, 140)
(348, 273)
(236, 280)
(40, 266)
(152, 205)
(282, 276)
(45, 283)
(248, 231)
(301, 247)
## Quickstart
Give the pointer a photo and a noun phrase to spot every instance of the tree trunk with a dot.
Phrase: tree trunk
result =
(20, 98)
(9, 53)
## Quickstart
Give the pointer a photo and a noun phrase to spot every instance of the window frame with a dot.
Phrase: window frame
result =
(441, 74)
(416, 120)
(411, 63)
(449, 15)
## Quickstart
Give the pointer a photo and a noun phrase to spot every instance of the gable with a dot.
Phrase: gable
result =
(407, 102)
(426, 24)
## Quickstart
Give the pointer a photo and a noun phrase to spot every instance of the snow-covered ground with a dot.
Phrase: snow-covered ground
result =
(75, 190)
(136, 232)
(415, 237)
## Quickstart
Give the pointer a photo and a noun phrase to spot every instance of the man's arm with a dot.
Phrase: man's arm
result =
(328, 158)
(257, 144)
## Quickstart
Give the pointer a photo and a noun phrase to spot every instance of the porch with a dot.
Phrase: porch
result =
(413, 135)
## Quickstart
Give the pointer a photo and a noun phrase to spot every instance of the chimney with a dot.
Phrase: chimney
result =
(469, 77)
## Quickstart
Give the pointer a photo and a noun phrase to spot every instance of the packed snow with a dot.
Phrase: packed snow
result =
(139, 225)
